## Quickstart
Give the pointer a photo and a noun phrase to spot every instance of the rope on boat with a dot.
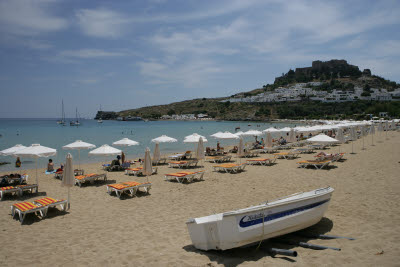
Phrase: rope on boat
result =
(259, 244)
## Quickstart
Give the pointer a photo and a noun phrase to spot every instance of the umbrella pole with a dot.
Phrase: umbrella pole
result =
(372, 139)
(363, 148)
(69, 205)
(79, 160)
(37, 172)
(352, 147)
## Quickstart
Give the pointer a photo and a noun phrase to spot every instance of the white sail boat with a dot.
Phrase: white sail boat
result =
(100, 120)
(62, 121)
(76, 122)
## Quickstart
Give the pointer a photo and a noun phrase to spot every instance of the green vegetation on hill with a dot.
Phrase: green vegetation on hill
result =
(334, 74)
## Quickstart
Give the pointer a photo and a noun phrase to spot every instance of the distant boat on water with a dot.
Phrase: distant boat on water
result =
(100, 120)
(62, 120)
(76, 122)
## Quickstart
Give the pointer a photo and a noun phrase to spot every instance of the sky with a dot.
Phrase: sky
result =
(130, 54)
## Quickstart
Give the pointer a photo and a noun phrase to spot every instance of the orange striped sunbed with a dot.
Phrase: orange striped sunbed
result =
(261, 161)
(181, 176)
(127, 187)
(51, 202)
(318, 164)
(24, 208)
(91, 178)
(138, 171)
(31, 188)
(9, 190)
(230, 167)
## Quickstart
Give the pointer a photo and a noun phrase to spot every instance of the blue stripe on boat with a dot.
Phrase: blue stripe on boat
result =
(278, 215)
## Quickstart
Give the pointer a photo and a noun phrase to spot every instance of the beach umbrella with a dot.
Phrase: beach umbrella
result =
(12, 150)
(386, 129)
(147, 164)
(292, 136)
(393, 125)
(269, 140)
(156, 153)
(105, 150)
(252, 133)
(372, 133)
(36, 151)
(240, 152)
(78, 145)
(285, 129)
(239, 133)
(340, 136)
(363, 131)
(271, 130)
(194, 138)
(322, 138)
(164, 139)
(68, 179)
(380, 127)
(225, 135)
(125, 142)
(200, 155)
(353, 137)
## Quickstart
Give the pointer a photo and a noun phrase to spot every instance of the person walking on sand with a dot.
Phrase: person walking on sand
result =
(17, 163)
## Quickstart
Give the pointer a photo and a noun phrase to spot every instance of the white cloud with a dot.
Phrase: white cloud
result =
(102, 23)
(29, 17)
(89, 53)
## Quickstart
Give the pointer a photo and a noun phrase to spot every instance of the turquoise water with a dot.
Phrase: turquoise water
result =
(48, 133)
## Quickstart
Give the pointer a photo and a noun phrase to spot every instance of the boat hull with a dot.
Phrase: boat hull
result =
(238, 228)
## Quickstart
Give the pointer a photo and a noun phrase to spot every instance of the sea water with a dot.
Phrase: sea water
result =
(48, 133)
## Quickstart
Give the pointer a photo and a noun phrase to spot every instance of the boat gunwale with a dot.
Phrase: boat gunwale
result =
(265, 205)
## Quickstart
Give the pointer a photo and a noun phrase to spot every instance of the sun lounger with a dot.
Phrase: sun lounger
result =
(17, 180)
(49, 202)
(160, 161)
(230, 167)
(304, 150)
(261, 161)
(31, 188)
(181, 176)
(183, 164)
(59, 174)
(9, 190)
(333, 157)
(251, 153)
(286, 155)
(269, 150)
(314, 163)
(24, 208)
(91, 178)
(127, 187)
(138, 171)
(317, 146)
(219, 159)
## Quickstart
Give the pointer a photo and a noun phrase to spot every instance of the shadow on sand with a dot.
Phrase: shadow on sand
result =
(253, 253)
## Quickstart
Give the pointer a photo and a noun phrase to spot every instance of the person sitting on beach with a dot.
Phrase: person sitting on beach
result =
(50, 166)
(283, 141)
(17, 163)
(218, 146)
(61, 168)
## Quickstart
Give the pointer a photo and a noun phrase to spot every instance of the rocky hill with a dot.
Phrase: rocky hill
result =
(335, 74)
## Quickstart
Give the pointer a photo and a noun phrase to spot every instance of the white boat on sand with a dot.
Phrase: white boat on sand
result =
(270, 219)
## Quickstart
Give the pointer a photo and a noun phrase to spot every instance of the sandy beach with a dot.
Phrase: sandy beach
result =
(150, 230)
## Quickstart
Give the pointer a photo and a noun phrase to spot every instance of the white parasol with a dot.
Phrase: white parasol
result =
(36, 151)
(125, 142)
(322, 138)
(12, 150)
(156, 153)
(194, 138)
(292, 136)
(78, 145)
(200, 155)
(164, 139)
(68, 179)
(269, 140)
(147, 164)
